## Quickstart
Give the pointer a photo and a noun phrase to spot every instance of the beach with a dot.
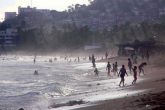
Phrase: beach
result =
(151, 95)
(70, 85)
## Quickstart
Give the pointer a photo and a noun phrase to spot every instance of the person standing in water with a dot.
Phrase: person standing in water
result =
(134, 74)
(108, 68)
(141, 67)
(130, 65)
(106, 55)
(78, 59)
(115, 68)
(93, 60)
(90, 58)
(122, 73)
(34, 60)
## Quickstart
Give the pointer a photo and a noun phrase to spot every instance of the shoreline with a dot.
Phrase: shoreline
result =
(147, 100)
(102, 92)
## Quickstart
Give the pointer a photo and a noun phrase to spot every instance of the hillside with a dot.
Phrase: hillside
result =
(107, 13)
(106, 22)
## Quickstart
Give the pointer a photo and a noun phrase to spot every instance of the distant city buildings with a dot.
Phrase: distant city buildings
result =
(162, 11)
(28, 9)
(8, 37)
(81, 16)
(95, 18)
(32, 17)
(10, 15)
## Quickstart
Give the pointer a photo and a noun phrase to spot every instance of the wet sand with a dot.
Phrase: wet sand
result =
(153, 98)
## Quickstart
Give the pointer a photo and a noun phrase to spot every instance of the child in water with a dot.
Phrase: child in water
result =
(96, 72)
(122, 73)
(134, 74)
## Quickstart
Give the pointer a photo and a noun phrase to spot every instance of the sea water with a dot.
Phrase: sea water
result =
(57, 82)
(19, 87)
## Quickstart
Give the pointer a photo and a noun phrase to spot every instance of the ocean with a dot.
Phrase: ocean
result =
(57, 83)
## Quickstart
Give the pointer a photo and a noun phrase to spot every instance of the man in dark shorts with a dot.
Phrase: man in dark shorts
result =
(141, 66)
(108, 68)
(122, 73)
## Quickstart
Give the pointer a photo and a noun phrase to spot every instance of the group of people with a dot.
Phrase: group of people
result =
(122, 72)
(113, 69)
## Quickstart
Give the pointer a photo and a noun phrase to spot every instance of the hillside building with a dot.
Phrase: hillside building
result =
(9, 37)
(10, 15)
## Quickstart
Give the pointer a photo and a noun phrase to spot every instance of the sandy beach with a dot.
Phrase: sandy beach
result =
(62, 85)
(152, 98)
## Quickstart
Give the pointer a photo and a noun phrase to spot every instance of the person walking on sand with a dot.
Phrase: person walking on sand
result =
(122, 73)
(141, 68)
(134, 74)
(130, 65)
(108, 68)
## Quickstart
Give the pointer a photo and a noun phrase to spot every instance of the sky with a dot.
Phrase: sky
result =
(60, 5)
